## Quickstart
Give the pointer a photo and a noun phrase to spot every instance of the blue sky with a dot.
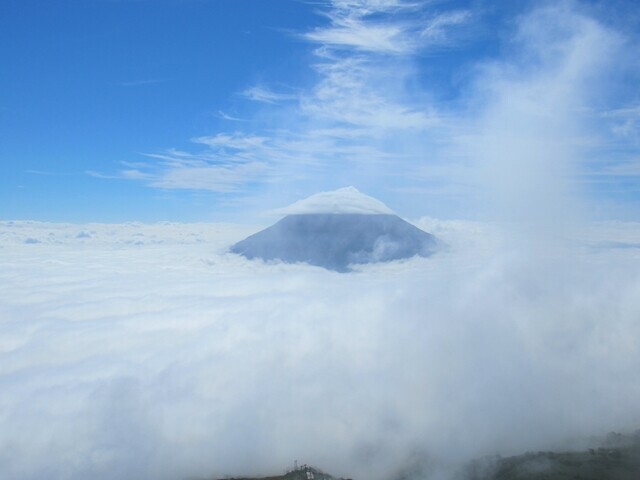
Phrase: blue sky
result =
(117, 110)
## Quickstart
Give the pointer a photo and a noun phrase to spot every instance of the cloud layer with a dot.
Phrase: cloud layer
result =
(147, 351)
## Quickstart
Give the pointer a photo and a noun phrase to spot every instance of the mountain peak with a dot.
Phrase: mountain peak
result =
(348, 200)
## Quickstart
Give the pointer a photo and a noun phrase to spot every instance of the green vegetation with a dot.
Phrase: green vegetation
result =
(617, 459)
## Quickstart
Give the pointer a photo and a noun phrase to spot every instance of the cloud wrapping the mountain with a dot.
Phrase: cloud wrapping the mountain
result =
(147, 351)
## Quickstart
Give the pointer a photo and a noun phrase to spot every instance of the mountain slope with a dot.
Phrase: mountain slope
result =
(336, 240)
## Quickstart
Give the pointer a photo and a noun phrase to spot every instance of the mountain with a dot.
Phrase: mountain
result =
(618, 458)
(337, 229)
(305, 472)
(343, 200)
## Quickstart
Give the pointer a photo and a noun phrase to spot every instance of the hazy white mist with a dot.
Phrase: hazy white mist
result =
(146, 351)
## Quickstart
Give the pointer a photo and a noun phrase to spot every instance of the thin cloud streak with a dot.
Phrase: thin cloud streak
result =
(231, 118)
(48, 174)
(367, 117)
(352, 28)
(260, 94)
(437, 29)
(357, 104)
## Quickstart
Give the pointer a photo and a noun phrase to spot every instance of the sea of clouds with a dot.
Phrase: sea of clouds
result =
(146, 351)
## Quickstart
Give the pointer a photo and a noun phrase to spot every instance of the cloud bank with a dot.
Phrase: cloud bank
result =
(148, 352)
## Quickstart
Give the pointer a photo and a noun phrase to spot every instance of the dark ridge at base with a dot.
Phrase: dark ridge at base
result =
(335, 241)
(617, 459)
(305, 472)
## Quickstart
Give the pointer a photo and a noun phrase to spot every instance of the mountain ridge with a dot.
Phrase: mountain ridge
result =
(337, 241)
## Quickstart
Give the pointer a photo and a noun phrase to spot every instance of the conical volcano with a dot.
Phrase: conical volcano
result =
(337, 229)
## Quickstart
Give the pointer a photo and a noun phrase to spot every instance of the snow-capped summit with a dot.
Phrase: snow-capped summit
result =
(342, 200)
(337, 229)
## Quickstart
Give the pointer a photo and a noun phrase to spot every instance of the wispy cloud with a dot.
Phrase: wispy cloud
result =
(351, 33)
(374, 111)
(261, 94)
(231, 161)
(346, 117)
(183, 174)
(47, 173)
(437, 28)
(52, 173)
(232, 118)
(352, 92)
(352, 27)
(527, 139)
(364, 59)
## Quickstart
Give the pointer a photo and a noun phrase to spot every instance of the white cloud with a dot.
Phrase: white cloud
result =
(342, 200)
(527, 142)
(146, 351)
(437, 29)
(358, 93)
(230, 162)
(401, 30)
(207, 177)
(522, 124)
(355, 34)
(346, 118)
(233, 142)
(229, 117)
(363, 63)
(261, 94)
